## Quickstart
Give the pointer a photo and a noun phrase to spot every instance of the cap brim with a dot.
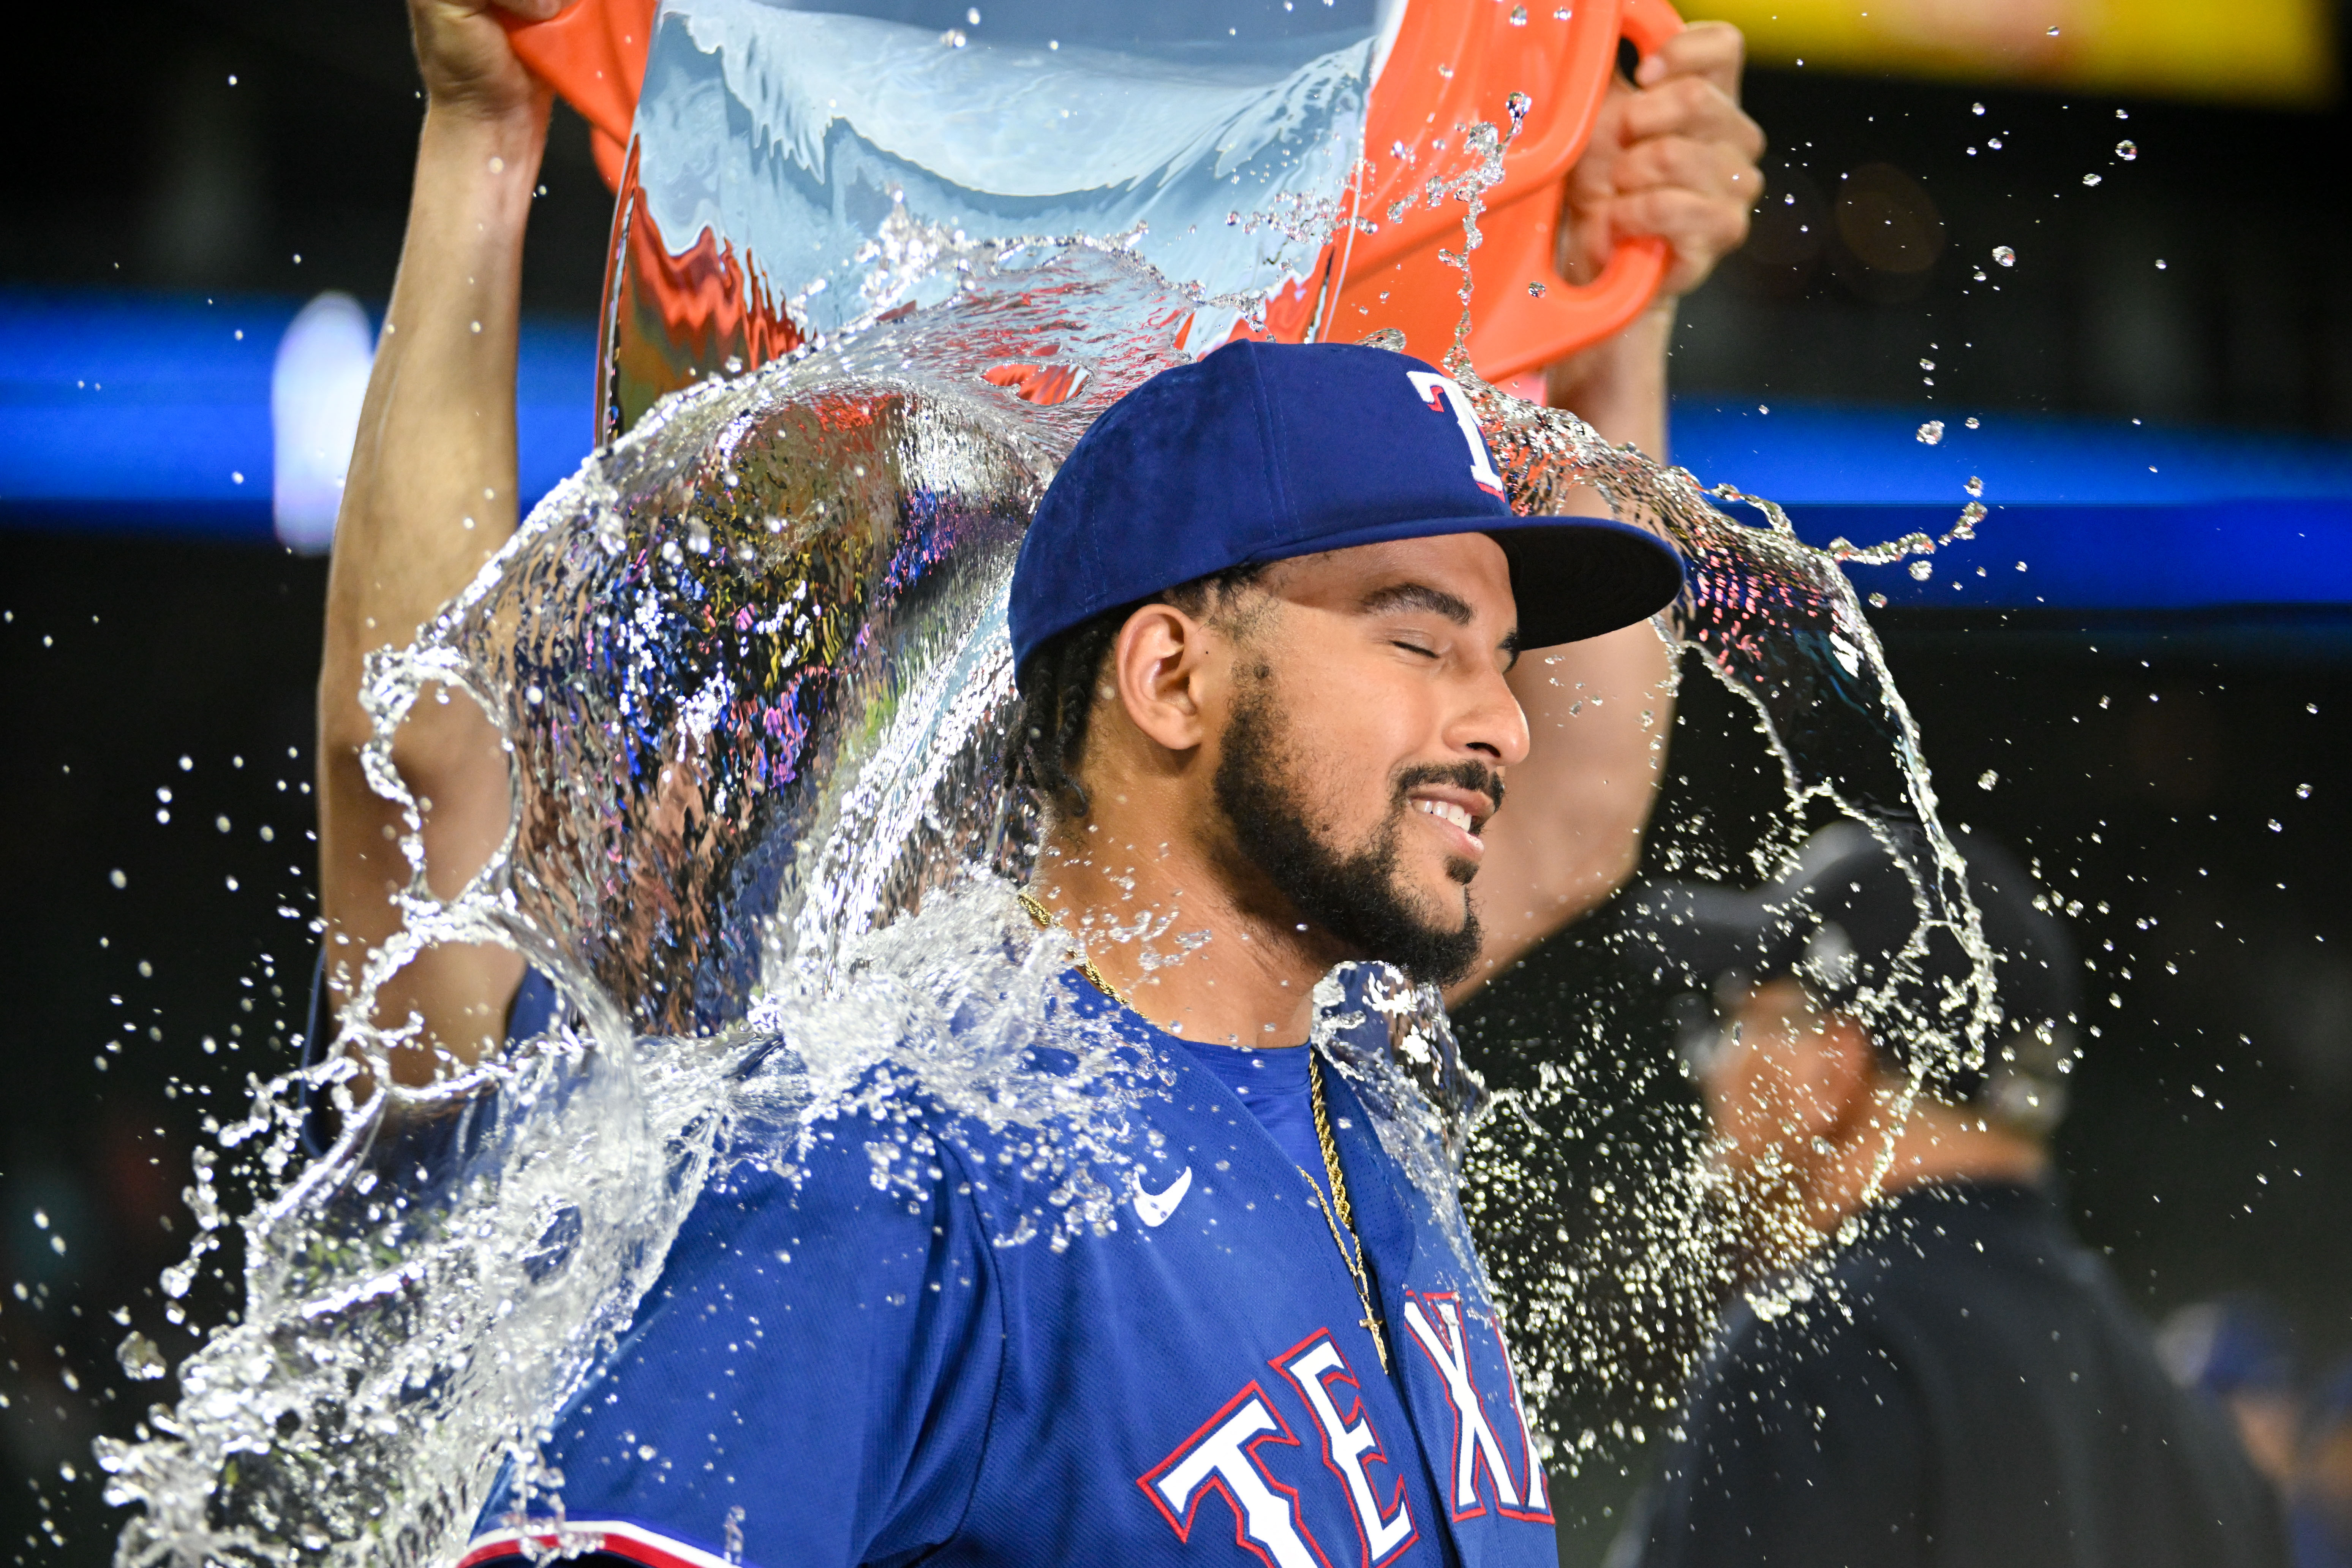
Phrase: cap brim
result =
(1574, 577)
(1695, 934)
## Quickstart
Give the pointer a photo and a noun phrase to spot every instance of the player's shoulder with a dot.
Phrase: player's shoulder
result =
(917, 1142)
(876, 1157)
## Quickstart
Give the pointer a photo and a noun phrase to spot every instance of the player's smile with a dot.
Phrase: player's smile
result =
(1456, 816)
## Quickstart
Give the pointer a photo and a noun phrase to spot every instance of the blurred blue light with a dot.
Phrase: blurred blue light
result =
(127, 412)
(2105, 514)
(134, 412)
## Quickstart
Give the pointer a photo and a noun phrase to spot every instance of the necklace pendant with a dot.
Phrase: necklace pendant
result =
(1372, 1326)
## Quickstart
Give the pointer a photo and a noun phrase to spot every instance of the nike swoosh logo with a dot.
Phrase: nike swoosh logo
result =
(1155, 1207)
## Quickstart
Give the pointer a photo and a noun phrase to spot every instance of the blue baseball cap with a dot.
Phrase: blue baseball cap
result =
(1260, 452)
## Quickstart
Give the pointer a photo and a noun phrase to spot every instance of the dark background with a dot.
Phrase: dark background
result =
(2143, 759)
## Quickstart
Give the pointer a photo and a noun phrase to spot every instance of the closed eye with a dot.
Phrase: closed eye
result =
(1414, 647)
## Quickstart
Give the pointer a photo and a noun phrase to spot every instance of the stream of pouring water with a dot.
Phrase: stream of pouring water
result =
(751, 664)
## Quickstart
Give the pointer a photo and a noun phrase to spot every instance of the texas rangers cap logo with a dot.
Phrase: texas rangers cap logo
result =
(1443, 393)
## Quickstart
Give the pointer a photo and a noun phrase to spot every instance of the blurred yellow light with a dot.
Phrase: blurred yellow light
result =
(2255, 51)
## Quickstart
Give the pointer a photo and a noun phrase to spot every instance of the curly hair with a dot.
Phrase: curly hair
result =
(1059, 685)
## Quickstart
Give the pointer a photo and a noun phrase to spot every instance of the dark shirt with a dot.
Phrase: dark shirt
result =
(1974, 1393)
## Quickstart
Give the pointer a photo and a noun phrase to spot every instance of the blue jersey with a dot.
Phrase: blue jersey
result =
(832, 1368)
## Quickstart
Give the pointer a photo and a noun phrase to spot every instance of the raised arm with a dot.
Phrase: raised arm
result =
(1673, 154)
(430, 494)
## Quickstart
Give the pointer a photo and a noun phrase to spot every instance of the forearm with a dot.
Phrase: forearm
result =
(430, 494)
(1598, 711)
(1619, 387)
(1570, 831)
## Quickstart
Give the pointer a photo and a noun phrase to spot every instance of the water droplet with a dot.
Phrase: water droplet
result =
(2090, 179)
(1878, 601)
(2126, 150)
(1922, 570)
(1976, 108)
(1987, 779)
(2159, 264)
(1970, 422)
(1518, 15)
(2303, 792)
(1926, 364)
(2274, 825)
(1537, 288)
(1931, 432)
(140, 1357)
(118, 879)
(2053, 33)
(2004, 255)
(1975, 486)
(1994, 143)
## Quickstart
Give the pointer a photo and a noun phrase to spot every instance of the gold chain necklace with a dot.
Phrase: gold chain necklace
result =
(1343, 1221)
(1046, 920)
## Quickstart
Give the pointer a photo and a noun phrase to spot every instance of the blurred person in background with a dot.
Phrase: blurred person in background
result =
(2236, 1352)
(1962, 1382)
(2320, 1501)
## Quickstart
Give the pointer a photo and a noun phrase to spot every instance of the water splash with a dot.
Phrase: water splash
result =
(1778, 624)
(751, 667)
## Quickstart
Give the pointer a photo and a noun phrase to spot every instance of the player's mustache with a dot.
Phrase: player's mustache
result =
(1464, 774)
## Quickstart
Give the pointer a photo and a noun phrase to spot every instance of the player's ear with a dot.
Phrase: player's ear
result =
(1155, 673)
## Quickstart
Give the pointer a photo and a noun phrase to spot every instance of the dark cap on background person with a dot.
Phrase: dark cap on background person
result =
(1837, 922)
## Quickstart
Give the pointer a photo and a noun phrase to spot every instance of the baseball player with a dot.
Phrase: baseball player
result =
(1262, 622)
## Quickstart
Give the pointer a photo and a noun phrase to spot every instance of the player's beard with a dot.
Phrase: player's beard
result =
(1359, 896)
